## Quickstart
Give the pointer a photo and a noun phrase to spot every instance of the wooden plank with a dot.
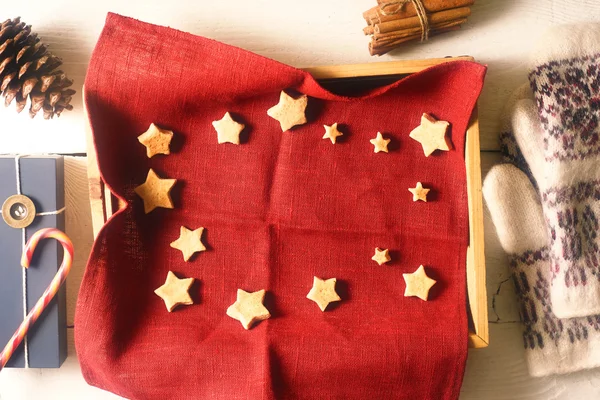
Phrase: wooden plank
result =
(97, 191)
(78, 225)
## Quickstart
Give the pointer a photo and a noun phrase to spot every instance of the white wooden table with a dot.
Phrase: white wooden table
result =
(300, 33)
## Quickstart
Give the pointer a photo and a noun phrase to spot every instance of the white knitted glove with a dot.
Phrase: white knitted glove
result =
(563, 154)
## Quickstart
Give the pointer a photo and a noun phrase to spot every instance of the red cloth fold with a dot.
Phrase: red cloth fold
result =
(278, 209)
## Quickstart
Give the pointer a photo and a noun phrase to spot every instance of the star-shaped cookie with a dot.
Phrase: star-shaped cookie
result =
(432, 135)
(332, 132)
(289, 111)
(248, 308)
(228, 130)
(189, 242)
(381, 256)
(156, 140)
(155, 192)
(175, 291)
(418, 284)
(323, 292)
(419, 192)
(380, 143)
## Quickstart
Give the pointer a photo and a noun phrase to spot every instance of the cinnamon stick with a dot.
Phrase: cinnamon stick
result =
(375, 16)
(414, 22)
(395, 41)
(378, 50)
(381, 37)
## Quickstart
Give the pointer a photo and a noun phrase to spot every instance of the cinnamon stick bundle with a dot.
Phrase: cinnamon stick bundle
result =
(402, 22)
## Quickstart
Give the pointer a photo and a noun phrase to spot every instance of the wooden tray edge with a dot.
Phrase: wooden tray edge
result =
(476, 287)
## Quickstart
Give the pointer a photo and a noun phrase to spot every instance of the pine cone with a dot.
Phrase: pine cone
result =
(27, 69)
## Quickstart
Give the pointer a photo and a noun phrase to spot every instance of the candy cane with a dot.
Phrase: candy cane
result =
(50, 292)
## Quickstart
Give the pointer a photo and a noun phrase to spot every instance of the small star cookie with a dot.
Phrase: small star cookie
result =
(175, 291)
(248, 308)
(155, 192)
(228, 130)
(381, 256)
(380, 143)
(419, 192)
(156, 140)
(332, 132)
(432, 135)
(323, 292)
(418, 284)
(189, 242)
(289, 111)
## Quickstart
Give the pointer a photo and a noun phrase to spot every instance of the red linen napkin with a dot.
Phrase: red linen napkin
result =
(278, 209)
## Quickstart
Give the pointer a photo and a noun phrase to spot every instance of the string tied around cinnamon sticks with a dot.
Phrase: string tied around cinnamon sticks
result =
(395, 6)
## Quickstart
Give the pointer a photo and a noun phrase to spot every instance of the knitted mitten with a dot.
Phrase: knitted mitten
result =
(565, 162)
(552, 345)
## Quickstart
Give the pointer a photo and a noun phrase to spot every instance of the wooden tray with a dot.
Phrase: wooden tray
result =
(359, 76)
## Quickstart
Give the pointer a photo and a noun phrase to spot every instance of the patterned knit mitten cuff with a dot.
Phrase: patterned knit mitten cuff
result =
(552, 345)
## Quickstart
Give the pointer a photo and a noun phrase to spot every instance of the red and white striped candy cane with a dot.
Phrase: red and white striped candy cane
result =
(50, 292)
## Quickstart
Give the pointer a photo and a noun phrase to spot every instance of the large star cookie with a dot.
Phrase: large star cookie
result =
(228, 130)
(248, 308)
(323, 292)
(156, 140)
(175, 291)
(189, 242)
(432, 135)
(155, 192)
(289, 111)
(418, 284)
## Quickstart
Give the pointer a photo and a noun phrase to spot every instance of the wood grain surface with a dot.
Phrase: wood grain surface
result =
(310, 32)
